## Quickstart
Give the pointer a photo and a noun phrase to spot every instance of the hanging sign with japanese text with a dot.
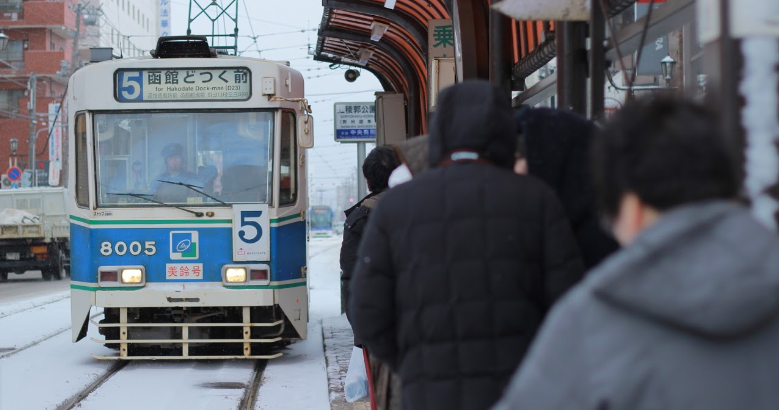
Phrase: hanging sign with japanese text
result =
(440, 39)
(355, 121)
(164, 18)
(187, 84)
(55, 143)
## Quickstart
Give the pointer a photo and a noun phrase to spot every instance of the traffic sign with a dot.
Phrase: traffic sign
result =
(14, 174)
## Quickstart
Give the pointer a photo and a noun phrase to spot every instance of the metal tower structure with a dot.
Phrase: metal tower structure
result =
(215, 12)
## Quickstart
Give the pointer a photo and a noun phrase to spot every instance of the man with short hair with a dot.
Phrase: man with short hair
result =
(686, 315)
(175, 171)
(376, 169)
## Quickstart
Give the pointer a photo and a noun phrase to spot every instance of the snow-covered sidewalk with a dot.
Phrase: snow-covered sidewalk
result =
(338, 340)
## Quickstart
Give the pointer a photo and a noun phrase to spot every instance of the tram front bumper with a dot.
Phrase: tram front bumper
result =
(183, 295)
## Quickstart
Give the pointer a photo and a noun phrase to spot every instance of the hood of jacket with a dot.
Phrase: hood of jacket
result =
(413, 152)
(473, 115)
(707, 268)
(556, 145)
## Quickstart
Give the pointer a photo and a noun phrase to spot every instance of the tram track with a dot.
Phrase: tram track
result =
(249, 399)
(76, 400)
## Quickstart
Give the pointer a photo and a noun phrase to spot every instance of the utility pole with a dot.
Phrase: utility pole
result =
(362, 187)
(74, 57)
(31, 87)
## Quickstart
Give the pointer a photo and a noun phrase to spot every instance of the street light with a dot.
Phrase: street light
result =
(3, 41)
(667, 65)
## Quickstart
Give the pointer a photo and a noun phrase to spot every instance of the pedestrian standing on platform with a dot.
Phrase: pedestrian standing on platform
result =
(458, 266)
(376, 169)
(554, 146)
(686, 315)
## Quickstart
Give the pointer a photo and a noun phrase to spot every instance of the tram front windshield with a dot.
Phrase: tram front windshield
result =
(183, 158)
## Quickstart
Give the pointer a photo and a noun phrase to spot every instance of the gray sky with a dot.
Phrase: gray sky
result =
(329, 162)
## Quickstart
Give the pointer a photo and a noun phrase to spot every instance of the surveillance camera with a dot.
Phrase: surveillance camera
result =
(351, 75)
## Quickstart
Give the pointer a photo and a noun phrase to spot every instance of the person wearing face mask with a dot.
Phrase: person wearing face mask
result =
(686, 314)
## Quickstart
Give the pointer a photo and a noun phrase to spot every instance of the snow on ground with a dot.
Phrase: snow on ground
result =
(33, 325)
(45, 375)
(52, 371)
(22, 295)
(191, 385)
(298, 380)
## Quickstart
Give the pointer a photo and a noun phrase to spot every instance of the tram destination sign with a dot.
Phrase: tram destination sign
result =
(355, 121)
(183, 84)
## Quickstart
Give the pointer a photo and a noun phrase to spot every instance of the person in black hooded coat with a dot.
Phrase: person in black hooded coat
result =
(556, 145)
(458, 266)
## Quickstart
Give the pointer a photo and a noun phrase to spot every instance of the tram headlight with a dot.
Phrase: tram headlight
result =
(235, 275)
(132, 275)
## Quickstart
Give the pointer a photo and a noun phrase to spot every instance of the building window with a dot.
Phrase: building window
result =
(11, 6)
(9, 99)
(14, 54)
(122, 5)
(288, 193)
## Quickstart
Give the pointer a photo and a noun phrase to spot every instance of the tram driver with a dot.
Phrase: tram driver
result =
(163, 186)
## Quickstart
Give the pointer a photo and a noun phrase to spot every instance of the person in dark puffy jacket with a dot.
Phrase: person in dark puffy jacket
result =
(458, 266)
(555, 145)
(686, 315)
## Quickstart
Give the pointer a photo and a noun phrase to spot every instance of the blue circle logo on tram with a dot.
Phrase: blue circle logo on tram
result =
(183, 245)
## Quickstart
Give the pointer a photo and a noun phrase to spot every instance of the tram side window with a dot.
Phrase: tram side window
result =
(288, 165)
(82, 155)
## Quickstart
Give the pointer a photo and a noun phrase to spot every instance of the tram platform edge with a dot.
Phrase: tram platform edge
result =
(338, 342)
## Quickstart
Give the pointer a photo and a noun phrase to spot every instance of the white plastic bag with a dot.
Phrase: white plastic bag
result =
(356, 383)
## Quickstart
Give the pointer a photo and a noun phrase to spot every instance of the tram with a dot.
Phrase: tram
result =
(321, 221)
(188, 202)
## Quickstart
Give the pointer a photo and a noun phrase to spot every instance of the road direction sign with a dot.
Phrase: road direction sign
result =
(14, 174)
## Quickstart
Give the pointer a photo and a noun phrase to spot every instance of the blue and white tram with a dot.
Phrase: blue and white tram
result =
(188, 198)
(320, 219)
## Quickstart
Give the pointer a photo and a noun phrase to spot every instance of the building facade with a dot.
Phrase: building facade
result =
(39, 58)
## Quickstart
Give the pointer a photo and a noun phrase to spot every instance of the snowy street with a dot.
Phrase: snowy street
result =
(41, 369)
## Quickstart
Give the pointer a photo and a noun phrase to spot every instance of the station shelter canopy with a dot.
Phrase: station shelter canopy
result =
(399, 58)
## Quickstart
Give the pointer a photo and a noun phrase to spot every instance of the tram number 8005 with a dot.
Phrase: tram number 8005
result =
(134, 248)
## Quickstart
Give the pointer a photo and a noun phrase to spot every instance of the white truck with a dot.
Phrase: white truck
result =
(41, 242)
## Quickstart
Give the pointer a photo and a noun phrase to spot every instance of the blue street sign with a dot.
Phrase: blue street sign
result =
(14, 174)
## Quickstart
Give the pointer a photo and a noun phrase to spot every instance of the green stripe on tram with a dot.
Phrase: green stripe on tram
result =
(281, 286)
(94, 288)
(153, 222)
(125, 288)
(172, 221)
(284, 219)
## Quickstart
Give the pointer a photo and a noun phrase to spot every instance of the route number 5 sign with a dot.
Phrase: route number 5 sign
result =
(251, 233)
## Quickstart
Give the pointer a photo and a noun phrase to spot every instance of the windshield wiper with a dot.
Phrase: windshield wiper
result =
(194, 188)
(146, 197)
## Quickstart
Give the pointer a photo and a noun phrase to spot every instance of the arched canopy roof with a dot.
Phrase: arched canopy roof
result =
(399, 58)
